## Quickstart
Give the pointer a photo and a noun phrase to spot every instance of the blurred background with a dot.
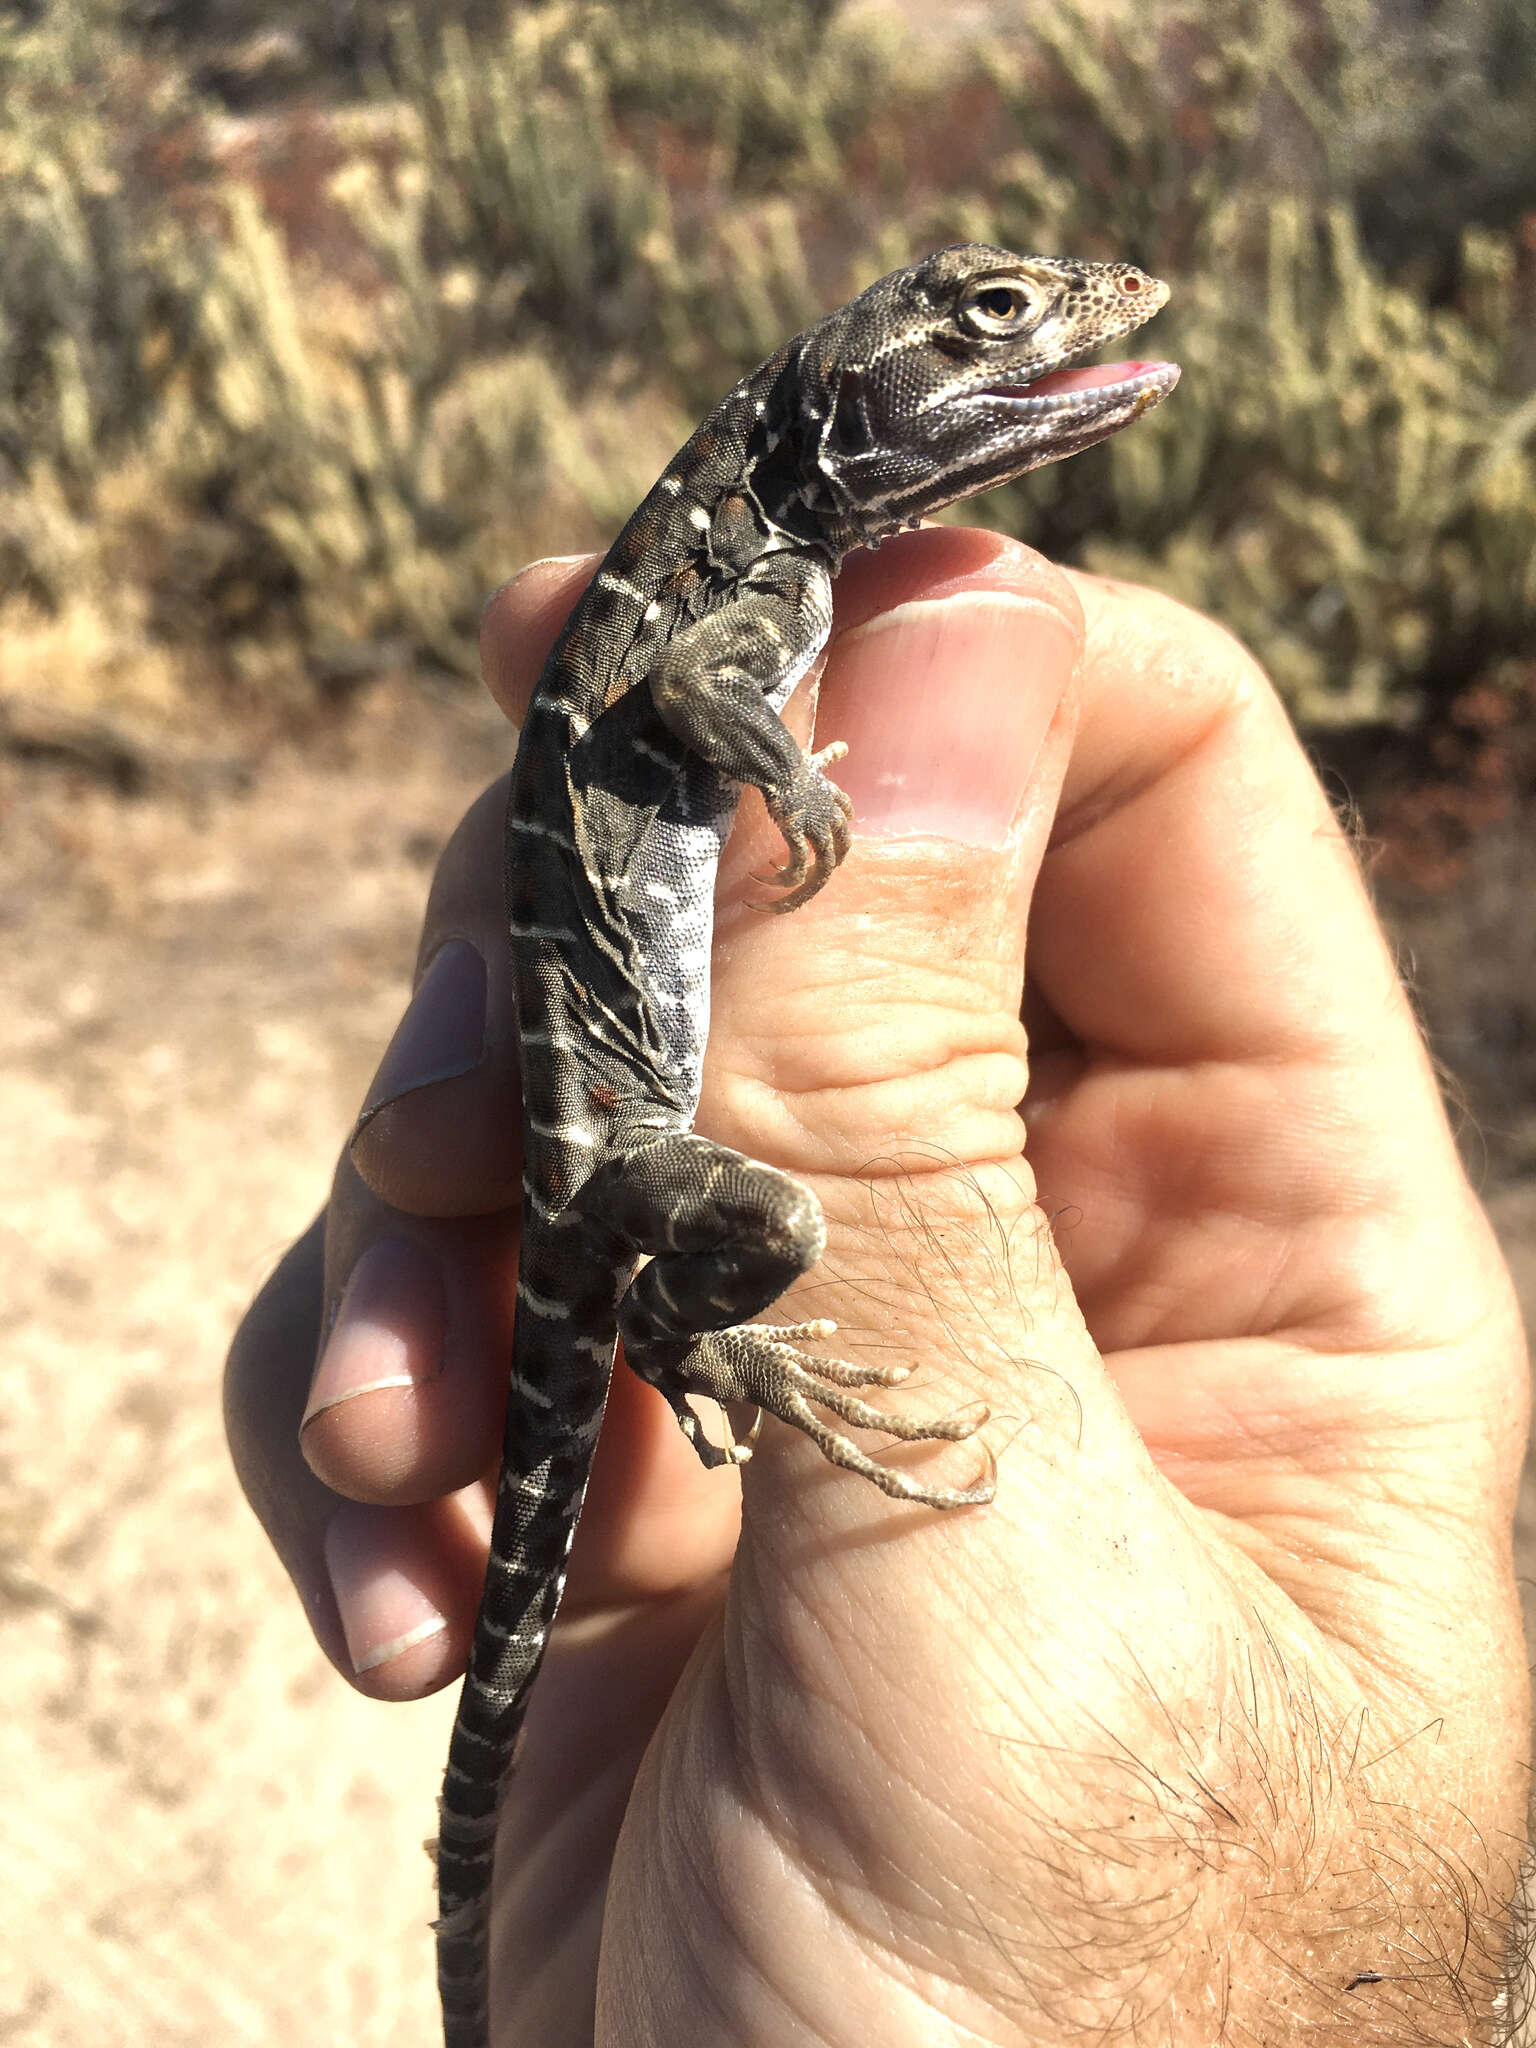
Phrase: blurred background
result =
(315, 322)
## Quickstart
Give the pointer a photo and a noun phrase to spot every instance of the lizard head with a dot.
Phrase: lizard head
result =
(955, 375)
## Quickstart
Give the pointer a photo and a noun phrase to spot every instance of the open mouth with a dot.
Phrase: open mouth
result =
(1088, 388)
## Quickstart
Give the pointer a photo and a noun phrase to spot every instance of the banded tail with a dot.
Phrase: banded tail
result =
(562, 1359)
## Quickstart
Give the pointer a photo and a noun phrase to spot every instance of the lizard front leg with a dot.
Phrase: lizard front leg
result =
(726, 1236)
(719, 686)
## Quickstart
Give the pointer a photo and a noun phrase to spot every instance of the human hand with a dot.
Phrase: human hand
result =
(1216, 1718)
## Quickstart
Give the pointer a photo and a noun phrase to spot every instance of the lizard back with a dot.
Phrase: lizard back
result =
(658, 703)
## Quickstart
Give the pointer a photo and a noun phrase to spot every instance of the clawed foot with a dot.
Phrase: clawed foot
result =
(762, 1365)
(816, 820)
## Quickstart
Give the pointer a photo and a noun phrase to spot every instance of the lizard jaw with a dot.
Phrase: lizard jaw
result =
(1086, 392)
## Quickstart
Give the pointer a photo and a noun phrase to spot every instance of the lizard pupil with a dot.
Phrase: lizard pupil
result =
(1000, 304)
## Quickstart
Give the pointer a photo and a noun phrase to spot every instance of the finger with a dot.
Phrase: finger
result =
(1242, 1047)
(404, 1405)
(1238, 899)
(895, 1022)
(390, 1629)
(439, 1132)
(1244, 1139)
(520, 622)
(408, 1398)
(388, 1559)
(891, 1062)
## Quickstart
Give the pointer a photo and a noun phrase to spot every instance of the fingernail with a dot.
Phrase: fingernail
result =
(383, 1611)
(442, 1033)
(388, 1330)
(944, 704)
(529, 569)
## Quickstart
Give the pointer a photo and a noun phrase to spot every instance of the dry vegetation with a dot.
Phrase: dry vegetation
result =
(283, 391)
(308, 335)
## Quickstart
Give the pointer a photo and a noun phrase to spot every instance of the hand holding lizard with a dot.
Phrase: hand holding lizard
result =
(1219, 1708)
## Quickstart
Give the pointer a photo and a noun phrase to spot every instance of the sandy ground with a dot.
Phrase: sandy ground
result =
(208, 1838)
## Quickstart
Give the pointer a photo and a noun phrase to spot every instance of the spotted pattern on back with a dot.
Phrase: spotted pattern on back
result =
(658, 703)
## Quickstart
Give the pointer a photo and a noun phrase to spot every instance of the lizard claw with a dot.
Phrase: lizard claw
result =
(816, 822)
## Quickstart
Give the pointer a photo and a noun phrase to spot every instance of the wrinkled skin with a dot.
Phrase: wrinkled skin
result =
(1213, 1725)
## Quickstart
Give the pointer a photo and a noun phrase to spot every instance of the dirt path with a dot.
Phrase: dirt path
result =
(209, 1839)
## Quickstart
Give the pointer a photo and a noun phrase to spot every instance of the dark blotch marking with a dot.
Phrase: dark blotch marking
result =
(736, 535)
(848, 422)
(627, 553)
(607, 761)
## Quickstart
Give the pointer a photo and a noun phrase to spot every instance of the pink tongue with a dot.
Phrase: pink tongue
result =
(1085, 380)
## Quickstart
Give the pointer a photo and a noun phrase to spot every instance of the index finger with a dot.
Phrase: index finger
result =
(1242, 1103)
(1202, 898)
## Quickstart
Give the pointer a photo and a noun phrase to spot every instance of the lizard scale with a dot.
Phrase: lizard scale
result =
(659, 701)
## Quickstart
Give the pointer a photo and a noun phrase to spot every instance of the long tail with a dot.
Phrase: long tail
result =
(562, 1359)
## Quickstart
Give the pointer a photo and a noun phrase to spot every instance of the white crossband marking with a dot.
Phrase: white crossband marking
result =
(552, 707)
(541, 1304)
(474, 1827)
(537, 829)
(568, 1134)
(512, 1632)
(524, 1389)
(537, 1203)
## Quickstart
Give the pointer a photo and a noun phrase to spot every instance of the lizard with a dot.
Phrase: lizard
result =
(658, 703)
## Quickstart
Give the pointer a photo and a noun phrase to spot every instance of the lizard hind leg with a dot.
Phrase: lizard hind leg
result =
(760, 1363)
(726, 1236)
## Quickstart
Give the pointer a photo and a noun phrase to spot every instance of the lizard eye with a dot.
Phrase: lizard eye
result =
(996, 309)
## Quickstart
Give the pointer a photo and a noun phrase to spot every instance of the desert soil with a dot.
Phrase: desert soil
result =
(208, 1837)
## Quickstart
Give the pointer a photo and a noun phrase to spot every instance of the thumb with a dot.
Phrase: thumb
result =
(871, 1042)
(885, 1674)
